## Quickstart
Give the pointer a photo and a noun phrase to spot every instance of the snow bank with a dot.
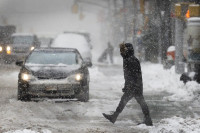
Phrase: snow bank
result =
(29, 131)
(186, 92)
(177, 125)
(157, 79)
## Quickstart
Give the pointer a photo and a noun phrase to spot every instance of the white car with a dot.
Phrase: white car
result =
(73, 40)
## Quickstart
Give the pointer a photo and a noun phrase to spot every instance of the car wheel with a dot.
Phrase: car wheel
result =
(84, 95)
(22, 96)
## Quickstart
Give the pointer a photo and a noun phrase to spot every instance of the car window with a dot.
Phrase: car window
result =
(52, 58)
(21, 40)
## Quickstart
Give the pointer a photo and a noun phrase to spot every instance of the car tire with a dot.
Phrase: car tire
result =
(84, 95)
(22, 96)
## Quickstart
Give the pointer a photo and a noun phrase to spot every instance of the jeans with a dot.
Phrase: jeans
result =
(140, 100)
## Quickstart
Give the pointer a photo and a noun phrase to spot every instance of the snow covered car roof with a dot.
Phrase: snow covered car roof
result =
(23, 34)
(57, 49)
(73, 40)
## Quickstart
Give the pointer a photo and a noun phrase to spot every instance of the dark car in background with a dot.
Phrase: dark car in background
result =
(53, 73)
(5, 38)
(20, 46)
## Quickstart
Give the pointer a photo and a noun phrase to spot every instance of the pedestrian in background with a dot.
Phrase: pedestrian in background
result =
(110, 52)
(107, 52)
(133, 85)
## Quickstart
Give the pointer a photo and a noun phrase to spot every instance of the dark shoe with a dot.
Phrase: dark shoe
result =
(147, 124)
(147, 121)
(112, 118)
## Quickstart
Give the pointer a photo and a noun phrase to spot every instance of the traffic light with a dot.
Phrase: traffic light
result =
(186, 10)
(194, 10)
(75, 8)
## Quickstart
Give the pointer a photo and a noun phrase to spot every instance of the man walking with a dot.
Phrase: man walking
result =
(133, 85)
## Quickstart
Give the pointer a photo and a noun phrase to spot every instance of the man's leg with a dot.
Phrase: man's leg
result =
(124, 99)
(147, 118)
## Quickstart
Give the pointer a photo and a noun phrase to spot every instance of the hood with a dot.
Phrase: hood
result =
(128, 50)
(52, 72)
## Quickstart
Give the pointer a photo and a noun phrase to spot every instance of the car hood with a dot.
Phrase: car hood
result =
(52, 72)
(17, 45)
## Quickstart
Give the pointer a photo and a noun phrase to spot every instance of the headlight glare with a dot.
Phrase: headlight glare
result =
(78, 77)
(8, 48)
(26, 77)
(75, 77)
(32, 48)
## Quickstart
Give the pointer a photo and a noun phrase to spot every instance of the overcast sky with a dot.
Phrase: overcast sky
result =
(51, 17)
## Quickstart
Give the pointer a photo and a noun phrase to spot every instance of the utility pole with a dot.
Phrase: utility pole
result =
(179, 65)
(180, 10)
(167, 28)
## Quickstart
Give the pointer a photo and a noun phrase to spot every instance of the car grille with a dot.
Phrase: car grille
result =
(51, 77)
(20, 50)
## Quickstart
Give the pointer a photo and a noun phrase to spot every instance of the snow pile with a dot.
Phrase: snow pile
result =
(157, 79)
(29, 131)
(186, 92)
(177, 125)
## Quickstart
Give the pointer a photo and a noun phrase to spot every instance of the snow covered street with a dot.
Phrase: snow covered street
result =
(174, 106)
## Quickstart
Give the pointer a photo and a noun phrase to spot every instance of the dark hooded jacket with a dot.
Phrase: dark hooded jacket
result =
(132, 71)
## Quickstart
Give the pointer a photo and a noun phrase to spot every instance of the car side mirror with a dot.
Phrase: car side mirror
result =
(87, 64)
(19, 63)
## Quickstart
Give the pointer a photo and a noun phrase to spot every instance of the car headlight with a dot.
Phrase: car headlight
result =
(78, 77)
(1, 48)
(75, 77)
(32, 48)
(27, 77)
(8, 50)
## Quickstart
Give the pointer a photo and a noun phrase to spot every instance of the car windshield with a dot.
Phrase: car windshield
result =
(52, 58)
(22, 40)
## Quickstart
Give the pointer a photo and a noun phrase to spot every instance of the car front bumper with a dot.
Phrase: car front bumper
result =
(53, 90)
(16, 56)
